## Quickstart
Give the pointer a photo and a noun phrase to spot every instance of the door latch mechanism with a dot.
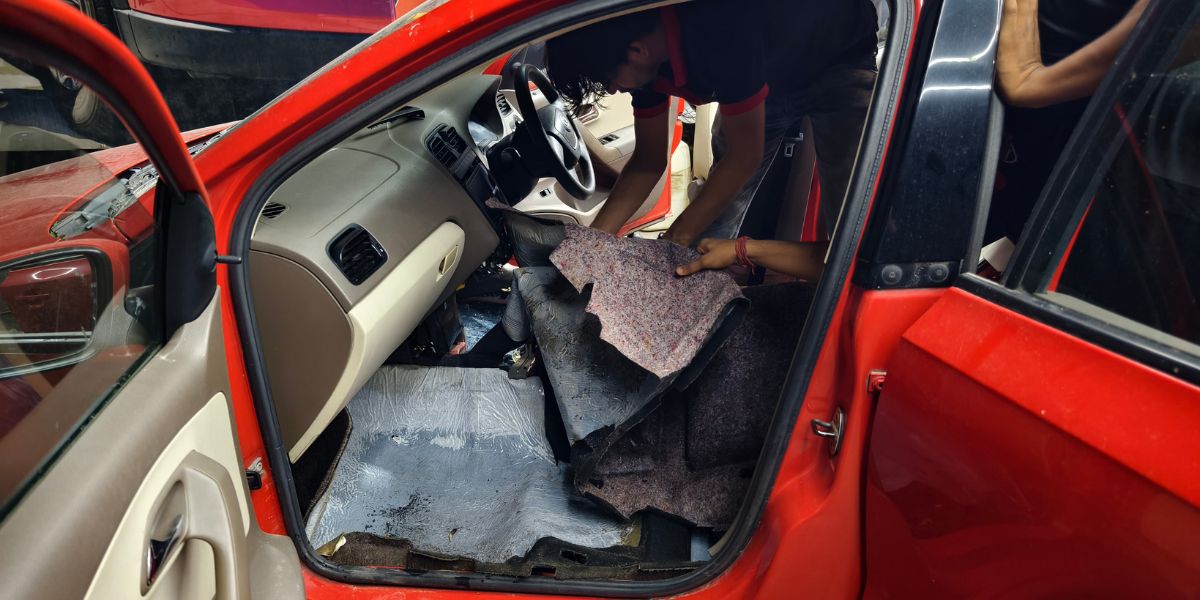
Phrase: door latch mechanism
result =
(832, 429)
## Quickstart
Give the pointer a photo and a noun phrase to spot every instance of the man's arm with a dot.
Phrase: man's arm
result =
(744, 134)
(640, 174)
(805, 260)
(1023, 79)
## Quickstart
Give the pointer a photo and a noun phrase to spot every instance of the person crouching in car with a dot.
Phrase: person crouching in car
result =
(769, 63)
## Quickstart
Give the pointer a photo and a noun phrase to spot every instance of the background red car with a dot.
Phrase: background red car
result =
(220, 60)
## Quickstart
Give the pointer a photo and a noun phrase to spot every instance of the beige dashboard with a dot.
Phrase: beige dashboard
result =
(323, 334)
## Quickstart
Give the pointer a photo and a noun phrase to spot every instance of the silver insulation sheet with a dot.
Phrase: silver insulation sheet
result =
(456, 461)
(478, 318)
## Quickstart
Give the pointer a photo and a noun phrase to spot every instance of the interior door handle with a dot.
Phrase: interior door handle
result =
(202, 504)
(159, 549)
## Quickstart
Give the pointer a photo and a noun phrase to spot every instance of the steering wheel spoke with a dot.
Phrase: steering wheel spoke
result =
(557, 148)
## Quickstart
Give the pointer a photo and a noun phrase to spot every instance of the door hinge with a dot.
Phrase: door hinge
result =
(832, 429)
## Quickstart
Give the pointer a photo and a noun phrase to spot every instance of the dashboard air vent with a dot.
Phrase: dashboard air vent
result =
(446, 146)
(502, 104)
(272, 210)
(357, 254)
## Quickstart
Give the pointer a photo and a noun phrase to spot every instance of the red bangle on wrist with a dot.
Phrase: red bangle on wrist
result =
(743, 257)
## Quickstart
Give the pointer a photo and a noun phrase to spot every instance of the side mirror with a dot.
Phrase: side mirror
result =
(49, 306)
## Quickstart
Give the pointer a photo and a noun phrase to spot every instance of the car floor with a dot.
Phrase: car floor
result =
(453, 464)
(456, 461)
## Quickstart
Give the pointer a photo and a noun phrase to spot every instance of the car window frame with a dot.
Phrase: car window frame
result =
(184, 288)
(29, 470)
(1045, 242)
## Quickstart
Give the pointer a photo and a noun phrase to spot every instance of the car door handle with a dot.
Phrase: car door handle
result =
(201, 504)
(159, 549)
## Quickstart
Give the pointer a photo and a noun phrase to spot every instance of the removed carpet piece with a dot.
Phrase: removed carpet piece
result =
(532, 238)
(647, 469)
(595, 385)
(655, 318)
(694, 456)
(731, 403)
(600, 392)
(456, 462)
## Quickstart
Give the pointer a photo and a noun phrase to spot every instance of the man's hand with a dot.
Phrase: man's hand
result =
(641, 173)
(804, 260)
(680, 235)
(715, 253)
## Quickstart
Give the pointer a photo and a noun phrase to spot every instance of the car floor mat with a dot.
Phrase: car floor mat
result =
(601, 393)
(730, 404)
(596, 386)
(693, 457)
(456, 461)
(647, 469)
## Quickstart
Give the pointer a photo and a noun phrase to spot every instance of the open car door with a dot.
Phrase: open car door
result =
(1036, 437)
(122, 475)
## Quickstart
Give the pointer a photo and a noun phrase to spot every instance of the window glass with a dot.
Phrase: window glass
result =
(78, 264)
(209, 80)
(1136, 249)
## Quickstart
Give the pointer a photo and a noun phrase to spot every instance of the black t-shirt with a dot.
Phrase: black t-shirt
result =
(737, 52)
(1065, 26)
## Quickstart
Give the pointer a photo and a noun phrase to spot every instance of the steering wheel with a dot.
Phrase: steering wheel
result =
(553, 134)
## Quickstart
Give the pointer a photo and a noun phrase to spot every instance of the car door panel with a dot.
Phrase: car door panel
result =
(1012, 457)
(125, 478)
(94, 515)
(1025, 443)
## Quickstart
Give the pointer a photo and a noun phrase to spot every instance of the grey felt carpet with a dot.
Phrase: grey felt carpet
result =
(654, 317)
(693, 457)
(647, 468)
(730, 405)
(596, 386)
(455, 461)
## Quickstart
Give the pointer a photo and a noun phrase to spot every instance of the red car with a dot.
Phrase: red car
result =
(267, 397)
(222, 59)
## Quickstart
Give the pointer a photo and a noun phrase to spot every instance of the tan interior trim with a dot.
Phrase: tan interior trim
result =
(386, 316)
(209, 433)
(615, 112)
(53, 542)
(702, 155)
(305, 344)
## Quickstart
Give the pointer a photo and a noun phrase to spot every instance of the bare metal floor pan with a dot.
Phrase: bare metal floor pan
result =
(457, 462)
